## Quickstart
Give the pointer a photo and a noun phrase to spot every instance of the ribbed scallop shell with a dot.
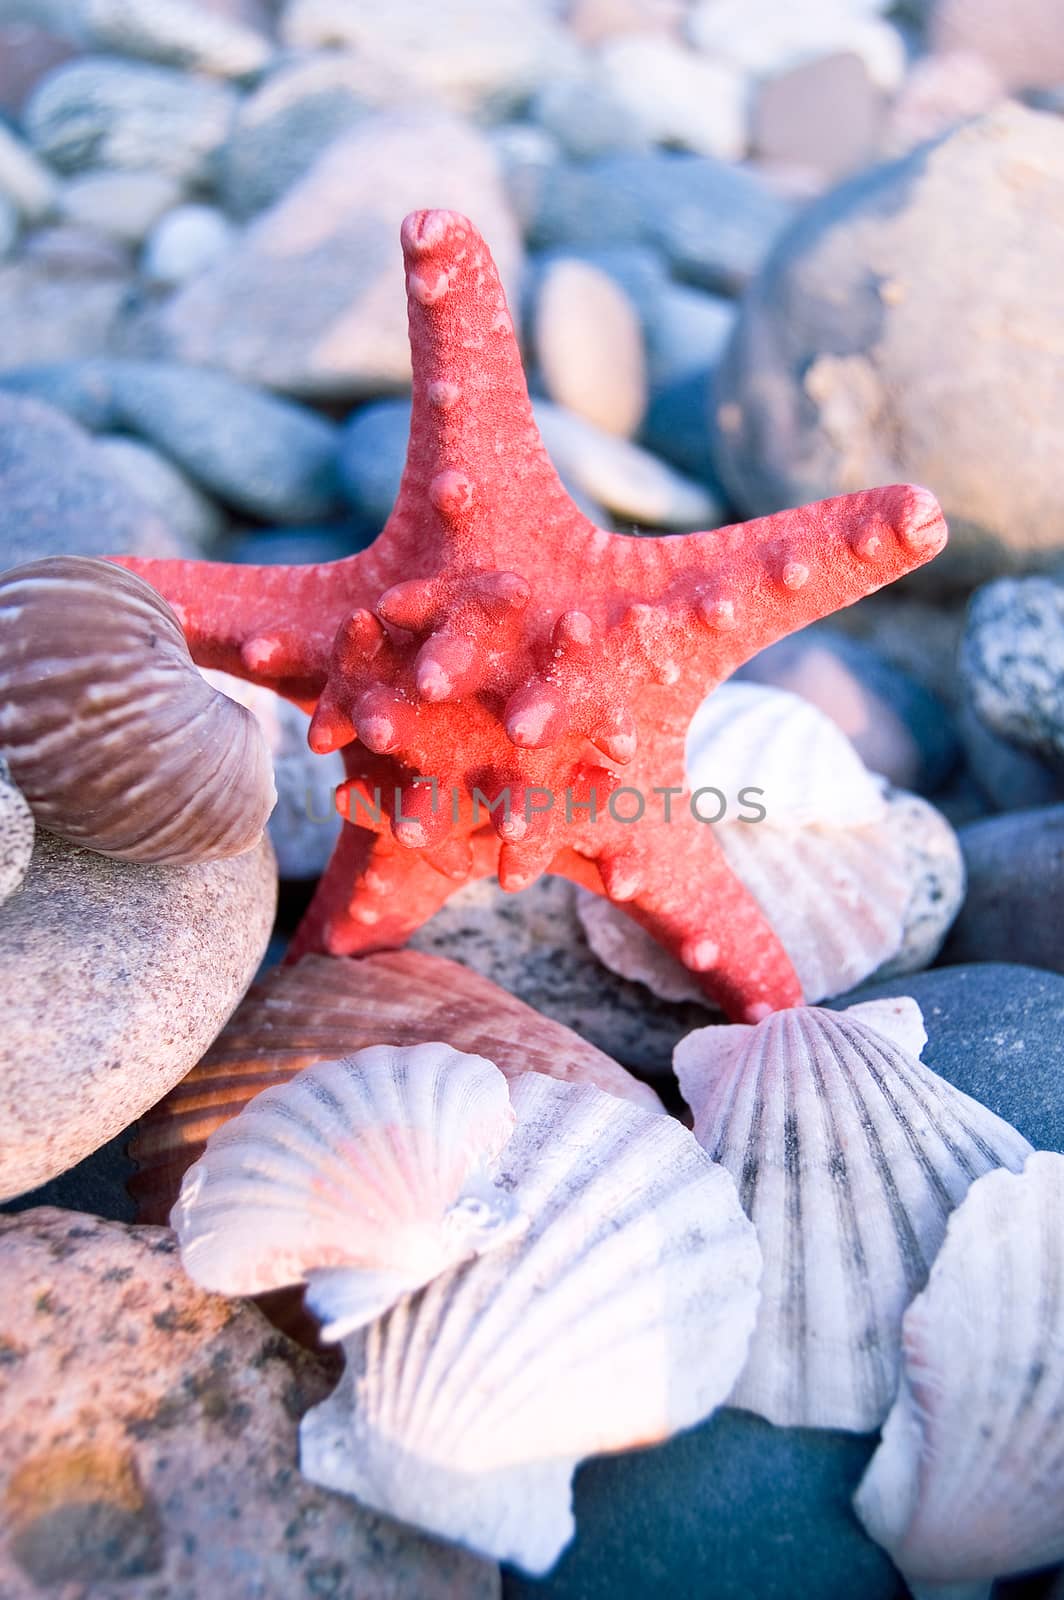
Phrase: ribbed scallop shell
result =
(363, 1178)
(323, 1009)
(747, 736)
(968, 1481)
(620, 1316)
(835, 898)
(16, 834)
(115, 739)
(849, 1155)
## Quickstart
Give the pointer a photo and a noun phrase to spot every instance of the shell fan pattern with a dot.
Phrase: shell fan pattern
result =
(968, 1482)
(363, 1178)
(849, 1155)
(621, 1315)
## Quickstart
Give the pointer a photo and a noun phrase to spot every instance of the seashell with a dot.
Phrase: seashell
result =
(621, 1315)
(16, 834)
(111, 733)
(363, 1178)
(804, 769)
(849, 1155)
(325, 1008)
(836, 900)
(968, 1481)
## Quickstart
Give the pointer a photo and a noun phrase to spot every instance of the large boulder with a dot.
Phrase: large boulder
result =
(907, 328)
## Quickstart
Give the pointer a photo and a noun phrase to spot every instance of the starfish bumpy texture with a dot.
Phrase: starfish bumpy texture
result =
(494, 639)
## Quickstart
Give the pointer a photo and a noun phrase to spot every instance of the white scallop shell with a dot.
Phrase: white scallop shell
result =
(835, 899)
(968, 1481)
(620, 1316)
(746, 736)
(849, 1155)
(363, 1178)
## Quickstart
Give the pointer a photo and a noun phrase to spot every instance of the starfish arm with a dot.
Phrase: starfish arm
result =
(374, 894)
(479, 489)
(719, 597)
(272, 625)
(683, 892)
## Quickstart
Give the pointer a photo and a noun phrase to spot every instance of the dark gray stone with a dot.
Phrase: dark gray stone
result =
(714, 222)
(996, 1031)
(295, 547)
(1015, 867)
(675, 428)
(734, 1510)
(1010, 779)
(372, 456)
(270, 457)
(96, 1185)
(1012, 662)
(60, 496)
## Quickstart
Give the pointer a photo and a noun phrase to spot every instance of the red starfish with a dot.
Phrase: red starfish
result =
(494, 638)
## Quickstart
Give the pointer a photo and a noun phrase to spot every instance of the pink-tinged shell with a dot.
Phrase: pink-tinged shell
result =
(16, 833)
(621, 1315)
(968, 1482)
(326, 1008)
(849, 1154)
(113, 736)
(362, 1178)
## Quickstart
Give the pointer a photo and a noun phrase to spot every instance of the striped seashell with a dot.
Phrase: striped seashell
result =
(802, 766)
(849, 1155)
(621, 1315)
(362, 1178)
(323, 1009)
(968, 1481)
(16, 833)
(113, 736)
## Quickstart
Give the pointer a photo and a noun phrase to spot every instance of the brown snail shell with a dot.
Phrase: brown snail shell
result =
(114, 737)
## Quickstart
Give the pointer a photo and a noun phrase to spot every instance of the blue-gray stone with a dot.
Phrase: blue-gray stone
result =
(372, 456)
(1012, 911)
(733, 1510)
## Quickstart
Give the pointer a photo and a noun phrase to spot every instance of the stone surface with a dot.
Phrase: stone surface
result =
(996, 1031)
(589, 346)
(935, 867)
(262, 454)
(595, 20)
(16, 833)
(104, 112)
(1023, 44)
(1012, 663)
(733, 1509)
(674, 428)
(687, 332)
(311, 299)
(532, 945)
(824, 114)
(938, 93)
(1010, 779)
(582, 112)
(632, 483)
(150, 1440)
(185, 241)
(838, 375)
(529, 160)
(9, 227)
(65, 307)
(120, 205)
(25, 180)
(115, 977)
(186, 510)
(60, 496)
(1015, 867)
(676, 97)
(482, 56)
(764, 37)
(28, 51)
(282, 127)
(898, 727)
(715, 223)
(180, 33)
